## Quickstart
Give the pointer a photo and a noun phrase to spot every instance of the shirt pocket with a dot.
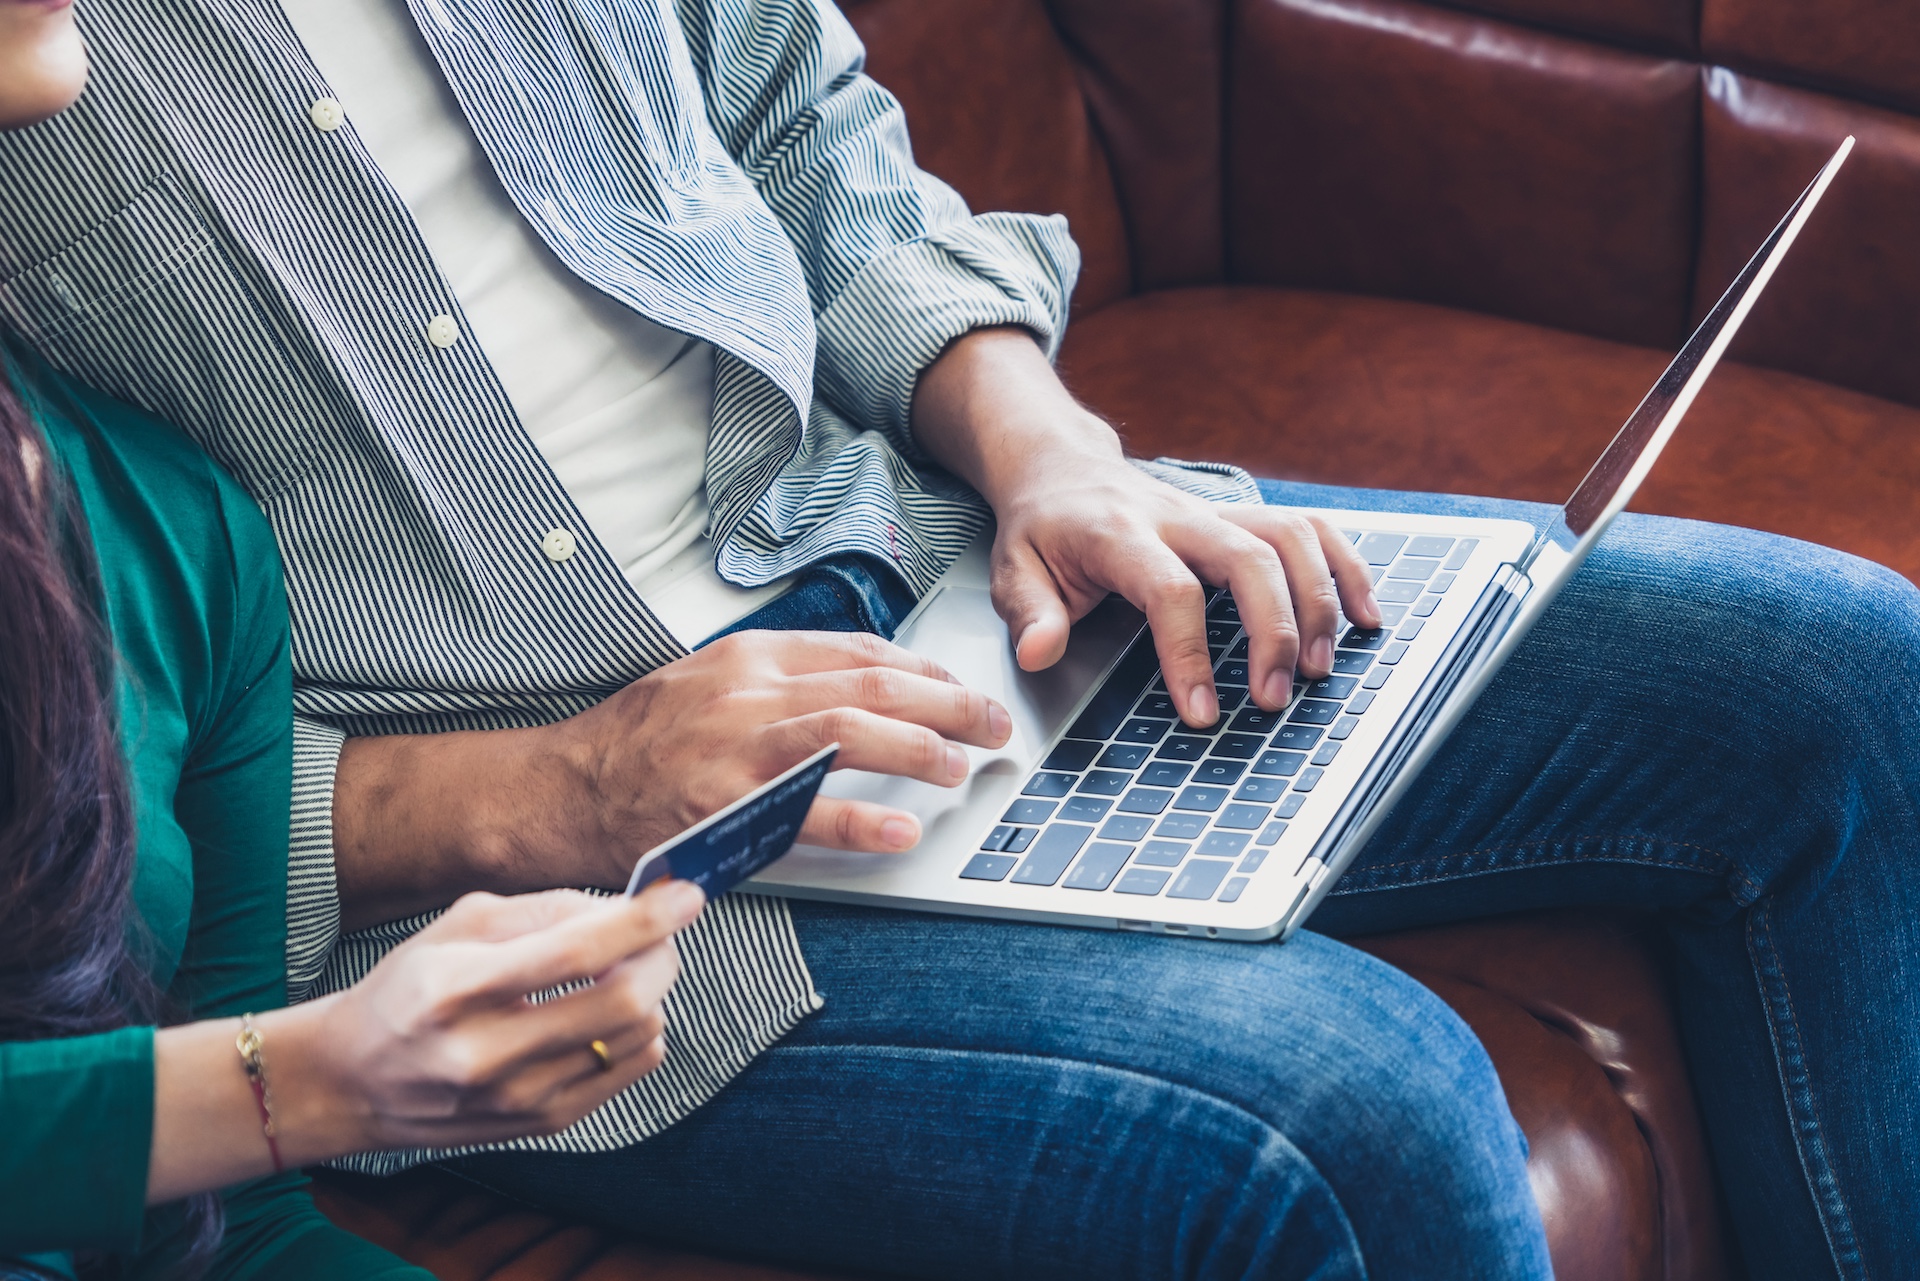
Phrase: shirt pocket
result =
(148, 308)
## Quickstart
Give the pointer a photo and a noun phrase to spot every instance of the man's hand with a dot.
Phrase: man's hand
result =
(1076, 521)
(420, 819)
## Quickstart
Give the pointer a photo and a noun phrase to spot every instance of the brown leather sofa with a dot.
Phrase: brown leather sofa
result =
(1395, 244)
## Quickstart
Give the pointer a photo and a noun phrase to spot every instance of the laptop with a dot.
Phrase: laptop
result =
(1105, 810)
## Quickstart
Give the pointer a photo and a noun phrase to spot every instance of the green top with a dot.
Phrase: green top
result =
(194, 601)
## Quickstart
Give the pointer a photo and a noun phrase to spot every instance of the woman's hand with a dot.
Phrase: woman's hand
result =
(440, 1046)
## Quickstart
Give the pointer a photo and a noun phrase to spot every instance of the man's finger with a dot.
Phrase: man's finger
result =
(1225, 553)
(802, 653)
(875, 743)
(1148, 573)
(862, 826)
(949, 709)
(1351, 573)
(1030, 602)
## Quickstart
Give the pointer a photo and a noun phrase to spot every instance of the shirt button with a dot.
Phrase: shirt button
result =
(442, 332)
(558, 545)
(327, 115)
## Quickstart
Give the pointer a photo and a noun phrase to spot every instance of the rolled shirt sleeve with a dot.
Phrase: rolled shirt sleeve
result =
(313, 892)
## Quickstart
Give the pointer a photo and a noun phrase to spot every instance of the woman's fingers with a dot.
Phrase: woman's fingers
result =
(586, 944)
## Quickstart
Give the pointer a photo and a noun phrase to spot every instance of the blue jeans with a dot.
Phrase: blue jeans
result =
(1718, 726)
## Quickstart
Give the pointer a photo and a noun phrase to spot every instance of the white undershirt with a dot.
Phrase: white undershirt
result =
(619, 406)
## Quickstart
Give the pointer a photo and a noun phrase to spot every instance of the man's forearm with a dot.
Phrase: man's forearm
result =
(991, 407)
(420, 819)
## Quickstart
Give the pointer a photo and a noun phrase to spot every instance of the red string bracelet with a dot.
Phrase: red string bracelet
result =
(248, 1043)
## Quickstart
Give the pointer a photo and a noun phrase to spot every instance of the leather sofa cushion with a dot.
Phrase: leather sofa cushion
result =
(1395, 148)
(1397, 395)
(1845, 307)
(1866, 47)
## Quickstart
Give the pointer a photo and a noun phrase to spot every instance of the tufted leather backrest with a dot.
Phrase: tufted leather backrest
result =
(1602, 166)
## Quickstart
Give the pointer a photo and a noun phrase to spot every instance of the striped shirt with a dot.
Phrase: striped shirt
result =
(200, 237)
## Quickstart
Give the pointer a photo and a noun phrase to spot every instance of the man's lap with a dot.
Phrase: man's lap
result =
(980, 1098)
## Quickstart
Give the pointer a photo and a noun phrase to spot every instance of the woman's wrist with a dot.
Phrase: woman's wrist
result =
(318, 1114)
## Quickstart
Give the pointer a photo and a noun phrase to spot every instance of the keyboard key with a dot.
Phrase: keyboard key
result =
(1439, 583)
(1297, 738)
(1223, 844)
(1097, 867)
(1231, 891)
(1395, 592)
(1351, 662)
(1378, 677)
(1199, 879)
(1051, 854)
(1239, 649)
(1231, 672)
(1368, 638)
(988, 867)
(1333, 686)
(1071, 755)
(1359, 703)
(1261, 789)
(1221, 773)
(1224, 607)
(1104, 782)
(1230, 696)
(1145, 800)
(1122, 827)
(1241, 747)
(1085, 809)
(1253, 861)
(1461, 552)
(1413, 567)
(1393, 653)
(1162, 853)
(1182, 827)
(1289, 807)
(1141, 730)
(1122, 756)
(1164, 774)
(1326, 753)
(1426, 607)
(1308, 780)
(1157, 707)
(1048, 785)
(1380, 549)
(1390, 615)
(1411, 630)
(1183, 747)
(1342, 728)
(1204, 799)
(1021, 838)
(1312, 711)
(1139, 880)
(1429, 545)
(997, 839)
(1243, 818)
(1270, 834)
(1283, 764)
(1256, 720)
(1028, 812)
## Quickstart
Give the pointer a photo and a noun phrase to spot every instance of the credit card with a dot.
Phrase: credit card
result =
(727, 847)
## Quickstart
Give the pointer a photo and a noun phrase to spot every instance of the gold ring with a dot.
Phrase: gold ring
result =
(600, 1055)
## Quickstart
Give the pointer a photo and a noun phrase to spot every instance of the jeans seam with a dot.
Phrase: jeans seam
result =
(1723, 864)
(1809, 1135)
(1274, 1132)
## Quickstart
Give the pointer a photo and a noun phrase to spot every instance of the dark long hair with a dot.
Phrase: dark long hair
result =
(67, 929)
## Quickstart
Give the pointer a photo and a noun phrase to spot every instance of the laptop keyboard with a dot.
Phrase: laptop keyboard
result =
(1135, 803)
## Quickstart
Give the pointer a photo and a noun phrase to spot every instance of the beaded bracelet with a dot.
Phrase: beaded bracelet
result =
(248, 1043)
